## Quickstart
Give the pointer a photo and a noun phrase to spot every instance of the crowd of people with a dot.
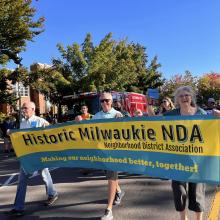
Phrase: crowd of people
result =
(184, 104)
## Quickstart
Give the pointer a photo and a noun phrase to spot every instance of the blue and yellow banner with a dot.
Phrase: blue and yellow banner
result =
(185, 148)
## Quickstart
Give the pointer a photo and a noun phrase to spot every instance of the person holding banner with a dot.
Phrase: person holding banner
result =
(118, 106)
(84, 116)
(138, 113)
(30, 120)
(185, 101)
(216, 112)
(115, 193)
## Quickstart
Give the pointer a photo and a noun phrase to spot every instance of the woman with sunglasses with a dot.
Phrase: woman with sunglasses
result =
(185, 101)
(166, 105)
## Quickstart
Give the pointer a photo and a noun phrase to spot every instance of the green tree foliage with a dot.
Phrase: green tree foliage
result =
(6, 93)
(186, 79)
(110, 65)
(150, 77)
(17, 27)
(50, 82)
(208, 86)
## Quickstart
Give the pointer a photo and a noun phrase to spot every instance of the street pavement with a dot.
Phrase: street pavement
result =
(85, 197)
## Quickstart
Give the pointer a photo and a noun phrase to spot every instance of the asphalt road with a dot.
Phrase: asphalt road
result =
(85, 197)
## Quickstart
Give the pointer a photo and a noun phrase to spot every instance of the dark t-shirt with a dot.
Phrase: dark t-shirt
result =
(7, 125)
(176, 111)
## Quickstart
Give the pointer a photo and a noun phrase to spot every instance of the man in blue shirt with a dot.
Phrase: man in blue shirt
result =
(114, 191)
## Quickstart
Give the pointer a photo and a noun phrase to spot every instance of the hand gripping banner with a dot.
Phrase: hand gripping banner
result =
(185, 148)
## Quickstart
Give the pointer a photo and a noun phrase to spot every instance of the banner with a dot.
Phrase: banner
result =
(185, 148)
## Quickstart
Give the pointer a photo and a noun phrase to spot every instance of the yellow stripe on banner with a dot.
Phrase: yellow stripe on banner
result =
(192, 137)
(214, 212)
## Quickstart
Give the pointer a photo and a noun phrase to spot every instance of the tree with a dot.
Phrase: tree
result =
(186, 79)
(17, 27)
(48, 81)
(113, 65)
(209, 86)
(150, 78)
(6, 94)
(110, 65)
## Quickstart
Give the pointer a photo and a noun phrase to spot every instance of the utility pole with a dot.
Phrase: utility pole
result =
(19, 93)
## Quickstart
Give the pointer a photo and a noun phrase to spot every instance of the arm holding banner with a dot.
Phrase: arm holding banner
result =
(31, 121)
(216, 112)
(183, 148)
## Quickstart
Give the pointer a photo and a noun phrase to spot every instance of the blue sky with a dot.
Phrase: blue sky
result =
(185, 35)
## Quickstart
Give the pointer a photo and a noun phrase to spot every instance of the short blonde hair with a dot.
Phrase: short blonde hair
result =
(187, 89)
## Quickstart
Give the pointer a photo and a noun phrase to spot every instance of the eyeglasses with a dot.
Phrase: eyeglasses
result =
(105, 100)
(184, 95)
(25, 108)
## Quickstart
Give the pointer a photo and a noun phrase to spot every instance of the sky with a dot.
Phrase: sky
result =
(184, 34)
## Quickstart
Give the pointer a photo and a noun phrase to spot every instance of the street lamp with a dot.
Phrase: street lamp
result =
(19, 90)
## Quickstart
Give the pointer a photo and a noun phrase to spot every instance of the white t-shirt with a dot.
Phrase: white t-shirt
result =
(33, 122)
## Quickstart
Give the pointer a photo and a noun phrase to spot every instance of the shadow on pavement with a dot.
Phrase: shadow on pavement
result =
(33, 217)
(34, 207)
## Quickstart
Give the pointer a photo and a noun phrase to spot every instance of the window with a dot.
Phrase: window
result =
(24, 91)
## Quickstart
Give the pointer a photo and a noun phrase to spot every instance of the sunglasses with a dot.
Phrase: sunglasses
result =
(105, 100)
(164, 101)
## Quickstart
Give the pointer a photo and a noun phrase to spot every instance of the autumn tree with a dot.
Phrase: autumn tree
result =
(209, 86)
(186, 79)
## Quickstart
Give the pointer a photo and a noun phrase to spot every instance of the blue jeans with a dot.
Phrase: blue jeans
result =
(22, 187)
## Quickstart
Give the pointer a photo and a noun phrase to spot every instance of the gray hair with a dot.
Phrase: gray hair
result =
(106, 94)
(189, 90)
